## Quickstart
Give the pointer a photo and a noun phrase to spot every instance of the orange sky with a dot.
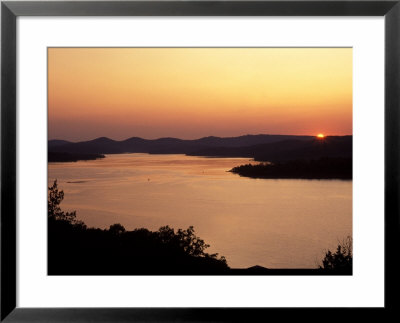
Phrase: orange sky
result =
(196, 92)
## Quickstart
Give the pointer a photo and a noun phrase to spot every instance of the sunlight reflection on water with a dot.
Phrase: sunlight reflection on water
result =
(271, 223)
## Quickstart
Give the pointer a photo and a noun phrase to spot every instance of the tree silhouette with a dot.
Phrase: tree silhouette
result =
(76, 249)
(54, 200)
(116, 229)
(186, 240)
(342, 259)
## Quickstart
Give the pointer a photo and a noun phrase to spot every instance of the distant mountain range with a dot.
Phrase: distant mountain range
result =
(259, 147)
(314, 148)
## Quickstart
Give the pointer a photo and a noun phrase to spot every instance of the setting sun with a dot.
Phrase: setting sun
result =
(199, 137)
(189, 93)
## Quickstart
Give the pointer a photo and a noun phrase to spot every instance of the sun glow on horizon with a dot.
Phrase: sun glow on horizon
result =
(191, 93)
(320, 136)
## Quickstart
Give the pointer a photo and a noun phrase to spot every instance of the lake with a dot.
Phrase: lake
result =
(272, 223)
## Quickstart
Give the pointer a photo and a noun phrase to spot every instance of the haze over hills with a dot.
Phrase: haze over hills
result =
(259, 147)
(104, 145)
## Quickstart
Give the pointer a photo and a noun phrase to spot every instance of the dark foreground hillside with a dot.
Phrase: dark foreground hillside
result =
(74, 249)
(77, 250)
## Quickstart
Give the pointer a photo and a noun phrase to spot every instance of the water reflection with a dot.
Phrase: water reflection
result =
(272, 223)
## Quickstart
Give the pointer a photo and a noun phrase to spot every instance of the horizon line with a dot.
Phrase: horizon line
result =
(211, 136)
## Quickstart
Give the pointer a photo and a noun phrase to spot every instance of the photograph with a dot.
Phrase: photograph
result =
(200, 160)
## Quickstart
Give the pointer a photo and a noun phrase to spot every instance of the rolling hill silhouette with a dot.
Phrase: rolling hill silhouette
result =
(333, 147)
(259, 147)
(56, 142)
(104, 145)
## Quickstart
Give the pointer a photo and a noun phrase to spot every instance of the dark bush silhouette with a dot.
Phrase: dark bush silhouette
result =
(74, 249)
(116, 229)
(341, 260)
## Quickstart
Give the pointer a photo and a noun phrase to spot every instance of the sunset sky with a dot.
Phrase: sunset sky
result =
(196, 92)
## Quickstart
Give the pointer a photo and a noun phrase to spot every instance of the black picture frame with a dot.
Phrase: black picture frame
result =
(10, 10)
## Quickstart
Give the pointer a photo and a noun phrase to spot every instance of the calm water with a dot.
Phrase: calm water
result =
(271, 223)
